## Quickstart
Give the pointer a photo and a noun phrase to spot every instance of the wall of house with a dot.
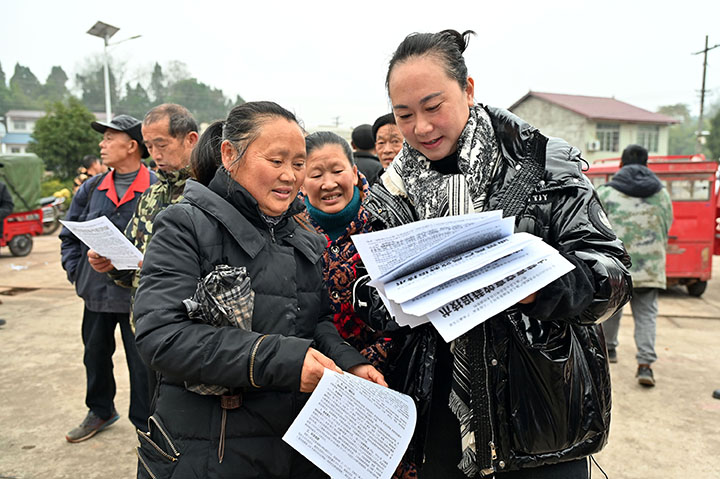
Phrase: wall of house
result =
(552, 120)
(580, 132)
(14, 127)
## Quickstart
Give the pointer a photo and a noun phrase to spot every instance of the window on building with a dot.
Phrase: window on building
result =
(608, 134)
(20, 124)
(647, 136)
(15, 149)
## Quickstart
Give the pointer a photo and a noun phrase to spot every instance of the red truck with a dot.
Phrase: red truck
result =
(691, 182)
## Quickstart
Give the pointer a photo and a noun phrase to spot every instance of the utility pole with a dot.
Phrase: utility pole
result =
(698, 145)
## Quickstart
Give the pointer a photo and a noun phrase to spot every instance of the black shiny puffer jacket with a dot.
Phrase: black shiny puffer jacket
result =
(540, 380)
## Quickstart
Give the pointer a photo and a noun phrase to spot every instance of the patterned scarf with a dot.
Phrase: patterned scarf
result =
(434, 195)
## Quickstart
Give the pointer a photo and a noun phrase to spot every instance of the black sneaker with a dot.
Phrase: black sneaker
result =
(612, 356)
(90, 426)
(645, 376)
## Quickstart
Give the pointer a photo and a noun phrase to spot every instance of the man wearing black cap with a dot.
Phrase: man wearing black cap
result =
(114, 195)
(363, 144)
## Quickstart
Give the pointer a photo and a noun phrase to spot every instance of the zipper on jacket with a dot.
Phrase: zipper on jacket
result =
(146, 436)
(485, 435)
(145, 466)
(164, 434)
(272, 234)
(253, 353)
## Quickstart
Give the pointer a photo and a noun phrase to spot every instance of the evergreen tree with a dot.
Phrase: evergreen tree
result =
(92, 86)
(4, 94)
(713, 141)
(158, 89)
(63, 136)
(25, 89)
(681, 135)
(54, 89)
(135, 102)
(206, 103)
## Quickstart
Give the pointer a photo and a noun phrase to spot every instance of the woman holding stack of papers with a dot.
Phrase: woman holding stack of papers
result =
(526, 393)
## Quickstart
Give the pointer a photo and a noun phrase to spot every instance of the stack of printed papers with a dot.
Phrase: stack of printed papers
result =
(457, 271)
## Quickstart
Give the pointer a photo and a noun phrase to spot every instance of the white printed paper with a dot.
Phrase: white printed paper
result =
(461, 315)
(479, 278)
(352, 428)
(102, 236)
(424, 270)
(410, 286)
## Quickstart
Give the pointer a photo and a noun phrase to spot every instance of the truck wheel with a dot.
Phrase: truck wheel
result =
(21, 245)
(52, 226)
(697, 288)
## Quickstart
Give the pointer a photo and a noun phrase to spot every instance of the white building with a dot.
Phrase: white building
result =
(20, 126)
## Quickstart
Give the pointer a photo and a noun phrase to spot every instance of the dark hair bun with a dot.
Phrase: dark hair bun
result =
(462, 40)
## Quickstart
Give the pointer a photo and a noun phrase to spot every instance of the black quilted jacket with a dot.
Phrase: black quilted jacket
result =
(221, 225)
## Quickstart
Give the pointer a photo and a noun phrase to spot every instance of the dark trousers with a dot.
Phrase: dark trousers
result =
(98, 333)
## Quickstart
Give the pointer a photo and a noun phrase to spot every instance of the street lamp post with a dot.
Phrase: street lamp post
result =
(105, 31)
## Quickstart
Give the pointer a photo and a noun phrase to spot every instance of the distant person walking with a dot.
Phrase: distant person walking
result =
(640, 211)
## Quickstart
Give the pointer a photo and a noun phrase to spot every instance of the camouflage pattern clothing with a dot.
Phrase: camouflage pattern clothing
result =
(640, 211)
(168, 190)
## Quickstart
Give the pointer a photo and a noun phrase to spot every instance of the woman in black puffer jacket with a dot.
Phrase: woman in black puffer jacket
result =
(525, 394)
(244, 217)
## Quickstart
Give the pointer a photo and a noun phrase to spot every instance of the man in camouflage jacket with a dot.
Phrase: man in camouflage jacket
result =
(641, 213)
(170, 133)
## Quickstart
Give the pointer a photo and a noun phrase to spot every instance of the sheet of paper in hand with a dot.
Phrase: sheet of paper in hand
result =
(352, 428)
(457, 271)
(101, 235)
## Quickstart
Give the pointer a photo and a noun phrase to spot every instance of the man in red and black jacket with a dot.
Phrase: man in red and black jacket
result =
(114, 195)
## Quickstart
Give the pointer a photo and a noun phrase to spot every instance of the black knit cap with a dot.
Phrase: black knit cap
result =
(127, 124)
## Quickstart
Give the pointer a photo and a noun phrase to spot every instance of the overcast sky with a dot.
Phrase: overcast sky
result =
(329, 59)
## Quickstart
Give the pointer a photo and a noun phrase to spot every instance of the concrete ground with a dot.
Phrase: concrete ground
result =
(670, 431)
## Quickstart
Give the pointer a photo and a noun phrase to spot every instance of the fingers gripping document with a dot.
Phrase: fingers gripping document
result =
(457, 271)
(352, 428)
(103, 237)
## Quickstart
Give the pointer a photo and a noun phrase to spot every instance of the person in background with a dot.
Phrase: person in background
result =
(243, 219)
(170, 133)
(107, 305)
(640, 211)
(388, 139)
(525, 394)
(333, 192)
(6, 208)
(91, 166)
(364, 155)
(6, 204)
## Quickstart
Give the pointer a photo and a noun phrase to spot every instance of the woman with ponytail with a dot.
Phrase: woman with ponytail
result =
(526, 394)
(228, 394)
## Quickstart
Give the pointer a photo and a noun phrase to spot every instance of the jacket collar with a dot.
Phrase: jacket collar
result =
(231, 205)
(139, 185)
(177, 177)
